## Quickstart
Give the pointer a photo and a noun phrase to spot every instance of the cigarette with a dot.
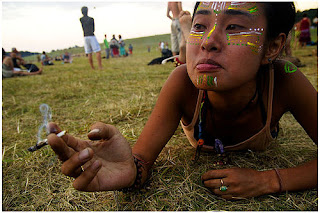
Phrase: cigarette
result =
(41, 144)
(62, 133)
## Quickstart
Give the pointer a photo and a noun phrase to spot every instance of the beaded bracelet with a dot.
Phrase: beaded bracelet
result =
(279, 178)
(178, 62)
(137, 183)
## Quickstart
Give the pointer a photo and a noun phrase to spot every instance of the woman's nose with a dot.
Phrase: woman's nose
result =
(212, 41)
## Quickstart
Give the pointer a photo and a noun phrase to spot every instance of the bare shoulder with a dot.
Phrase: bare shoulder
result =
(290, 83)
(179, 79)
(179, 86)
(288, 74)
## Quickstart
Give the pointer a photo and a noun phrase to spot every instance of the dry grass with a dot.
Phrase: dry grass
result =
(123, 94)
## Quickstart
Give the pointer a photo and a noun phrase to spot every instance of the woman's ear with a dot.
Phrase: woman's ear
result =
(274, 48)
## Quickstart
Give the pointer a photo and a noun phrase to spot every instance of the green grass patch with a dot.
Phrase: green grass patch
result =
(123, 94)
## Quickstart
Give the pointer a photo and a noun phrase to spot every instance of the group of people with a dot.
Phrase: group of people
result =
(116, 48)
(14, 65)
(65, 58)
(229, 96)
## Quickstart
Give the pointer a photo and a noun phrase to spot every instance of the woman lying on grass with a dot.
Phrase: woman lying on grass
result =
(232, 89)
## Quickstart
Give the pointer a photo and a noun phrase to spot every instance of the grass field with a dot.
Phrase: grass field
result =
(123, 94)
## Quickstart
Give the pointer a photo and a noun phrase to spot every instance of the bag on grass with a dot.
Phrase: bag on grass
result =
(31, 67)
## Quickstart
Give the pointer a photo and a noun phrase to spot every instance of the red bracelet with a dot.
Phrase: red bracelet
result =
(178, 62)
(279, 178)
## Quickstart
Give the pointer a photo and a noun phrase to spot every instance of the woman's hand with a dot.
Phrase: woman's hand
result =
(102, 163)
(240, 182)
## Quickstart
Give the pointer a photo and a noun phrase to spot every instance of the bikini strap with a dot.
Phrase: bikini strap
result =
(270, 95)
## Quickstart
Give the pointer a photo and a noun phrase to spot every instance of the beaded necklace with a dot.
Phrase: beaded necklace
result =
(218, 145)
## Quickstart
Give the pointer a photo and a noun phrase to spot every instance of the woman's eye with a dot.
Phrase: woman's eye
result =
(234, 27)
(198, 27)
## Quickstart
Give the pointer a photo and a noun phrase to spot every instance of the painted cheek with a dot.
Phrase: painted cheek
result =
(195, 38)
(251, 39)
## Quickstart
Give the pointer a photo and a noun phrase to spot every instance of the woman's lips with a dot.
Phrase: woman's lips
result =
(206, 67)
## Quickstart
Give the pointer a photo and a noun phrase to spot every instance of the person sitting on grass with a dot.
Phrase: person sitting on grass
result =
(45, 60)
(8, 70)
(67, 58)
(229, 96)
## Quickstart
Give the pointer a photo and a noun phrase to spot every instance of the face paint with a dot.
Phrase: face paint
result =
(290, 67)
(244, 6)
(205, 80)
(195, 38)
(250, 39)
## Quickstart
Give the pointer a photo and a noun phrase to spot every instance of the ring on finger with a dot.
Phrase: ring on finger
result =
(223, 188)
(82, 168)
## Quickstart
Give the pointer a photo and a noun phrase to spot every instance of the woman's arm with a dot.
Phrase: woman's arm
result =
(301, 100)
(294, 93)
(164, 118)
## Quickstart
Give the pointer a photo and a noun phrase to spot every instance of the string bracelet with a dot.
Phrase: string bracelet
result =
(138, 181)
(279, 178)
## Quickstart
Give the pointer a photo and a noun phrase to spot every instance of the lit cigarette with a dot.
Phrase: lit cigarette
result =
(41, 144)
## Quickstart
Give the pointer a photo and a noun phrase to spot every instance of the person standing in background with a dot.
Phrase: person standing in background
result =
(130, 49)
(114, 45)
(90, 41)
(122, 44)
(175, 8)
(106, 44)
(305, 31)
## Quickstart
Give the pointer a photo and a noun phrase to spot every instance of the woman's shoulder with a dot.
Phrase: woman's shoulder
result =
(287, 70)
(180, 85)
(289, 80)
(180, 77)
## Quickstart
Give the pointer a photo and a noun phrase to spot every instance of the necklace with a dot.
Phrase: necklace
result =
(218, 145)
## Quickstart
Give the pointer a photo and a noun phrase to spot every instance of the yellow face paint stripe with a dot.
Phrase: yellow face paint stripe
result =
(211, 31)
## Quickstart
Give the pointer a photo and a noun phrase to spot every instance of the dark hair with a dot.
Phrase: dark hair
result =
(280, 17)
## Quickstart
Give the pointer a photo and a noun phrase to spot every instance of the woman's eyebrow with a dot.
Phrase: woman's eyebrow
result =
(238, 12)
(203, 12)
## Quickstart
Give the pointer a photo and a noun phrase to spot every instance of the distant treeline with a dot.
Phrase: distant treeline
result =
(27, 53)
(312, 13)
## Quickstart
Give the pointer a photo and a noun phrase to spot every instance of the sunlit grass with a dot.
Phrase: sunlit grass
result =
(123, 94)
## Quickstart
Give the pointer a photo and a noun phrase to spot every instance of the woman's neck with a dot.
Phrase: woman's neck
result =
(231, 103)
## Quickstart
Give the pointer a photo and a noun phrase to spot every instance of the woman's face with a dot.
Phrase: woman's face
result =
(225, 45)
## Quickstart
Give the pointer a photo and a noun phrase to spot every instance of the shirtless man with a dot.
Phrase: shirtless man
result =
(91, 44)
(175, 8)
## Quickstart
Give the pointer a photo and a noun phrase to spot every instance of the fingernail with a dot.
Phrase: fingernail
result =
(52, 129)
(84, 154)
(95, 131)
(95, 165)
